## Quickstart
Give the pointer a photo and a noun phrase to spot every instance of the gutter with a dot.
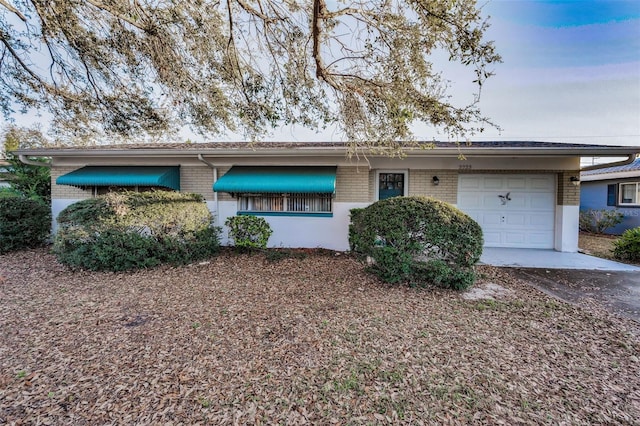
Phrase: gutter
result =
(631, 158)
(24, 159)
(617, 151)
(215, 179)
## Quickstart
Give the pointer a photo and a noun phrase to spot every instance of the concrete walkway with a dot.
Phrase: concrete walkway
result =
(549, 259)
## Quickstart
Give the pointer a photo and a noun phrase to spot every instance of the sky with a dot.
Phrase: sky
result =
(570, 73)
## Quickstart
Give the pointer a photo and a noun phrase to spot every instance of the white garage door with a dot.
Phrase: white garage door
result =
(513, 210)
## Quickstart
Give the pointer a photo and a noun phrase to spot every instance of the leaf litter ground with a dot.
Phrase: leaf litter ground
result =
(304, 339)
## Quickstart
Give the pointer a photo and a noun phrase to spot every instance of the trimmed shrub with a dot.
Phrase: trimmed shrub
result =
(627, 247)
(131, 230)
(598, 221)
(418, 240)
(248, 232)
(24, 223)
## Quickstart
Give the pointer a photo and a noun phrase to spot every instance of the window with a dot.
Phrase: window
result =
(611, 195)
(629, 193)
(291, 204)
(391, 184)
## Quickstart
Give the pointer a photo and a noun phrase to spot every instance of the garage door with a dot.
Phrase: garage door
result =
(513, 210)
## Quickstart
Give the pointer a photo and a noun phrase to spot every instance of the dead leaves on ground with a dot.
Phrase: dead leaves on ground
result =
(244, 340)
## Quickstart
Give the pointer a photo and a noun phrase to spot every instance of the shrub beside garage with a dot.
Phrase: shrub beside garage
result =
(417, 240)
(131, 230)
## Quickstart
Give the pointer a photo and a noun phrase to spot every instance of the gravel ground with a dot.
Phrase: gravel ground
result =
(310, 339)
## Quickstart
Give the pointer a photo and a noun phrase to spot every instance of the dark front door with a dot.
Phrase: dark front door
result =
(390, 185)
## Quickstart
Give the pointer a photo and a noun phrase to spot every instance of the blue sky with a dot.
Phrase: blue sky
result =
(571, 71)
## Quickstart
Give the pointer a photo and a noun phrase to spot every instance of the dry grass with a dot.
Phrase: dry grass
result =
(598, 245)
(242, 340)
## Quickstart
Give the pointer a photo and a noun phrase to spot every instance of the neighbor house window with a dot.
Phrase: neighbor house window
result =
(611, 195)
(629, 193)
(285, 203)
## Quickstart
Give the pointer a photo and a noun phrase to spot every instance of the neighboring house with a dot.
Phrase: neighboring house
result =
(522, 193)
(613, 188)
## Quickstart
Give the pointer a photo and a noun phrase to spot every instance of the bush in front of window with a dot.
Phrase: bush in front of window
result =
(24, 223)
(248, 232)
(133, 230)
(417, 240)
(627, 247)
(598, 221)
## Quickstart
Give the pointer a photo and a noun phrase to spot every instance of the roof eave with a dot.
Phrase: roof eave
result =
(330, 151)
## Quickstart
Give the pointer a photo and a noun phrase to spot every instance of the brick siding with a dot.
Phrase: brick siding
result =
(198, 180)
(421, 183)
(352, 184)
(568, 193)
(67, 191)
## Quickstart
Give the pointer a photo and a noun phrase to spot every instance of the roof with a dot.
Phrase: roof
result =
(633, 167)
(631, 170)
(333, 148)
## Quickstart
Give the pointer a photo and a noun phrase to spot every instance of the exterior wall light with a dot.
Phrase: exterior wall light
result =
(575, 180)
(436, 181)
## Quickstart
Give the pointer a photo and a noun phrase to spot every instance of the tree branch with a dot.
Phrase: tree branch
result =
(130, 21)
(319, 9)
(36, 77)
(13, 10)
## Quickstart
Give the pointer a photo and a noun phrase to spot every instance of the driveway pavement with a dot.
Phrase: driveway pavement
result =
(574, 277)
(617, 291)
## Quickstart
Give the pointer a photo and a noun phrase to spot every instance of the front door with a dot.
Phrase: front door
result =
(390, 185)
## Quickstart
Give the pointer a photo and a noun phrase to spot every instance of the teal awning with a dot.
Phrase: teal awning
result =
(295, 179)
(165, 176)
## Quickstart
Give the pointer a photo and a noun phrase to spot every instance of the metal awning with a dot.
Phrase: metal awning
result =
(265, 179)
(165, 176)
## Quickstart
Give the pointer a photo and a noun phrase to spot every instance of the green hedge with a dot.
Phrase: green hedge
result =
(24, 223)
(627, 247)
(130, 230)
(248, 232)
(419, 240)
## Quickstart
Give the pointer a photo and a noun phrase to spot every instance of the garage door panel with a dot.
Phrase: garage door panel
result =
(541, 201)
(514, 238)
(487, 218)
(543, 184)
(516, 183)
(465, 182)
(516, 220)
(542, 221)
(492, 239)
(526, 220)
(517, 202)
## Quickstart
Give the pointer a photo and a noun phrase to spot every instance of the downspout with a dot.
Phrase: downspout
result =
(629, 160)
(24, 159)
(215, 179)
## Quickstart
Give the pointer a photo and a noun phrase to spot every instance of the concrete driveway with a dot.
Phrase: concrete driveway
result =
(617, 291)
(574, 277)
